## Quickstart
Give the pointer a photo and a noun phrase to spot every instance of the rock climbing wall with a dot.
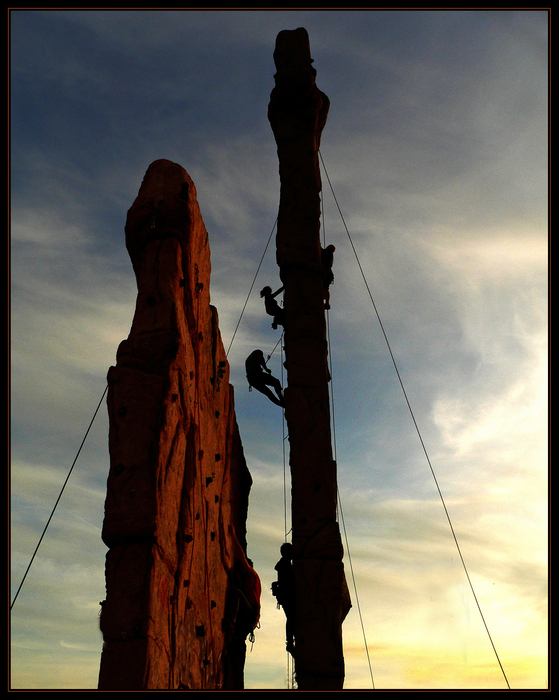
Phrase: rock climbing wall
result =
(181, 594)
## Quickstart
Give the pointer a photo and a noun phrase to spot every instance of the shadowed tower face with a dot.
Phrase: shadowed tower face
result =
(297, 113)
(181, 594)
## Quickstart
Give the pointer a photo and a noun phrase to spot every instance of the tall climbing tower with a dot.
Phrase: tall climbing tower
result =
(297, 113)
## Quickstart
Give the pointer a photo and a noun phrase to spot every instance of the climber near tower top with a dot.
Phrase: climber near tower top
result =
(272, 306)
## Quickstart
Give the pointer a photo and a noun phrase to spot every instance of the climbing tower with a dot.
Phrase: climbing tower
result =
(297, 113)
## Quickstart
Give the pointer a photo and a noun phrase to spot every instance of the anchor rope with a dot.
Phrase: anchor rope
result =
(251, 287)
(59, 497)
(416, 426)
(339, 503)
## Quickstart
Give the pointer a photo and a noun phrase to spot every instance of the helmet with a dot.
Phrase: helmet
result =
(286, 550)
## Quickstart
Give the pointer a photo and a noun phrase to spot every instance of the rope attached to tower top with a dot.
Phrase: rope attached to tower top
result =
(416, 426)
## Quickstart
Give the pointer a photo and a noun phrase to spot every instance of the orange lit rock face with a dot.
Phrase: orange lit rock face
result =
(178, 486)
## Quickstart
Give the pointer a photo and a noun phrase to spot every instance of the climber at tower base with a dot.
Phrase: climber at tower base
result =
(272, 307)
(284, 591)
(260, 377)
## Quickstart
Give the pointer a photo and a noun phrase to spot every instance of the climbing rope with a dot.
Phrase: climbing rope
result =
(416, 426)
(290, 666)
(251, 287)
(283, 439)
(59, 497)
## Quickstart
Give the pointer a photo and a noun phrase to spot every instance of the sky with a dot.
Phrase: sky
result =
(435, 174)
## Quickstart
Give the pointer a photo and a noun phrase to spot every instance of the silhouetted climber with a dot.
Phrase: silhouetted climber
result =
(272, 306)
(327, 259)
(284, 591)
(260, 377)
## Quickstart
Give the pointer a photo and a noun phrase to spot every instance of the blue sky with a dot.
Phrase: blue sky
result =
(436, 147)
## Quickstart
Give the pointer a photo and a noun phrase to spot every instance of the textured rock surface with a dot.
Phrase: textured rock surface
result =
(178, 580)
(297, 114)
